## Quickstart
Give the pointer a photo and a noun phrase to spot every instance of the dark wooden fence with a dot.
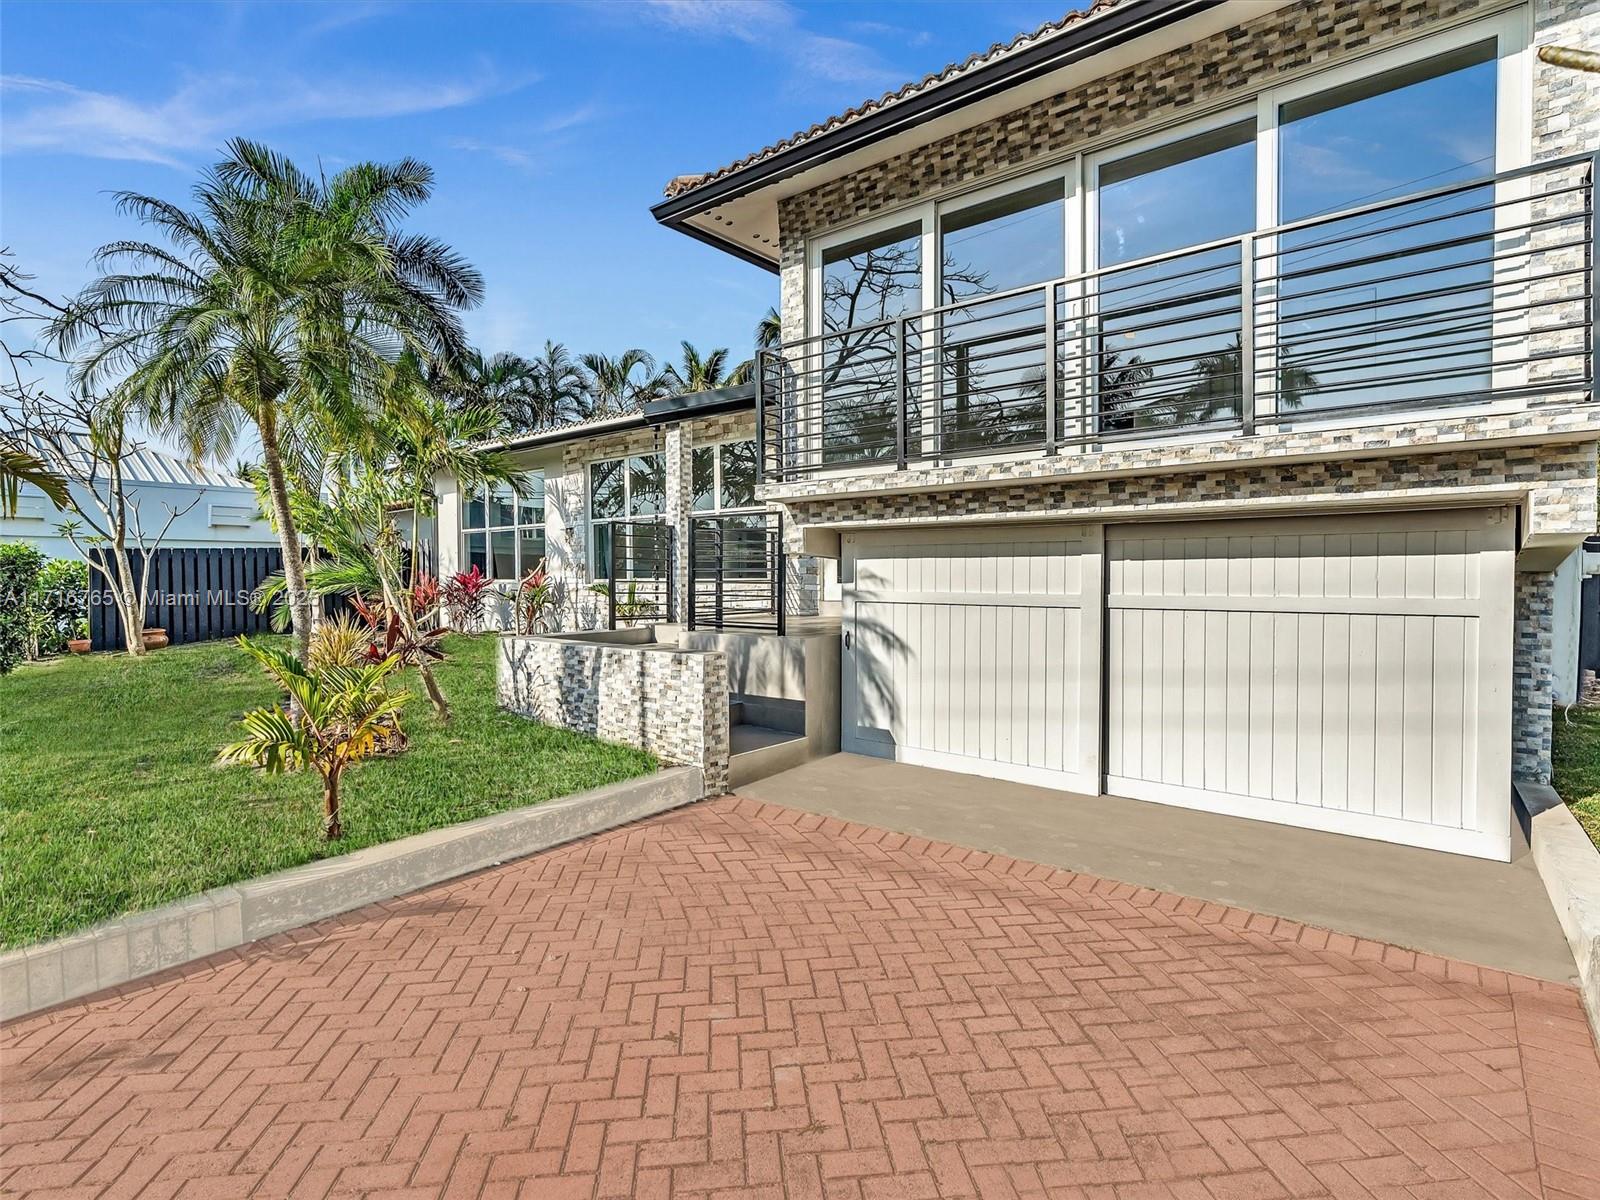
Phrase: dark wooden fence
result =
(196, 595)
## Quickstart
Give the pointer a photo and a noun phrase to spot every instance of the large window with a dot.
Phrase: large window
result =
(1396, 304)
(625, 493)
(865, 282)
(991, 368)
(505, 532)
(1169, 352)
(1161, 340)
(724, 476)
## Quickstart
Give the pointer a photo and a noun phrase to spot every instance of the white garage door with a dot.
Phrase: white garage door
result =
(971, 650)
(1351, 675)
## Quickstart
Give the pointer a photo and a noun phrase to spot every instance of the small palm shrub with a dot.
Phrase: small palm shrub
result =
(340, 641)
(339, 718)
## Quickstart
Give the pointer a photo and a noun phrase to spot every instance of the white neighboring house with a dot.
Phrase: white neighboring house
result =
(224, 511)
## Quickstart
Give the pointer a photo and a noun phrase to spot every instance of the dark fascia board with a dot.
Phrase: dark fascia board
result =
(1079, 42)
(700, 404)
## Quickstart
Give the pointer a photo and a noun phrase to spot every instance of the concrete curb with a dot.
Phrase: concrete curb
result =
(127, 948)
(1569, 864)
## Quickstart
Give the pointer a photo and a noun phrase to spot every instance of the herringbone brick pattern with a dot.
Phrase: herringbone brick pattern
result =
(740, 1000)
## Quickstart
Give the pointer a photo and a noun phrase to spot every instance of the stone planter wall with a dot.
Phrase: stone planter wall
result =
(671, 702)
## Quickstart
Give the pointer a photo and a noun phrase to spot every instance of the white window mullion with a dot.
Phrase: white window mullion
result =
(1263, 295)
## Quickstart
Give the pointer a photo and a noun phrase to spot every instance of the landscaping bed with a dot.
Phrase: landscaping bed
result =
(110, 801)
(1577, 766)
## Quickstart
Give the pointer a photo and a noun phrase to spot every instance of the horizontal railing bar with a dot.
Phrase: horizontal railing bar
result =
(1432, 218)
(1439, 293)
(1492, 339)
(1492, 235)
(1448, 314)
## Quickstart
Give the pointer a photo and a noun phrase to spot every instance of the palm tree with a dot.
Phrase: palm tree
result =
(20, 466)
(769, 330)
(506, 383)
(283, 297)
(426, 436)
(557, 383)
(701, 372)
(341, 715)
(610, 386)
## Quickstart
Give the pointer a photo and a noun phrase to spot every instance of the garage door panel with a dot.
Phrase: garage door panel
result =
(1323, 710)
(1318, 668)
(969, 650)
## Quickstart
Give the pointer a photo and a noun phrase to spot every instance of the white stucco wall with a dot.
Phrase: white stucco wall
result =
(223, 516)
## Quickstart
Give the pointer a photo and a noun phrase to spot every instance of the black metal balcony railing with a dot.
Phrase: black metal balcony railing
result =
(640, 588)
(736, 572)
(1461, 294)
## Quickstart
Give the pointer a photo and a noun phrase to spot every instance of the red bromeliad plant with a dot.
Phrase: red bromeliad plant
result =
(466, 597)
(535, 598)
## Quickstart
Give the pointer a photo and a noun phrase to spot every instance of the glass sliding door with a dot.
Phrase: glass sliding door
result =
(867, 282)
(1396, 305)
(1167, 355)
(991, 353)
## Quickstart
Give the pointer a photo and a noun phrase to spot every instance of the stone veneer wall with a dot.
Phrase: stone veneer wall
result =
(1566, 103)
(672, 703)
(1533, 682)
(1562, 477)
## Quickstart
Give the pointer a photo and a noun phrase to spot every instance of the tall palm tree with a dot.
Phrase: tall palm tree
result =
(769, 336)
(610, 383)
(426, 436)
(282, 296)
(507, 383)
(557, 383)
(769, 330)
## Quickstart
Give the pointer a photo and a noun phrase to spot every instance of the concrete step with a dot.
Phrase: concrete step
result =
(756, 751)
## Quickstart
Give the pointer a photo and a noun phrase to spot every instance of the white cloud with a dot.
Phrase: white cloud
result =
(513, 156)
(775, 26)
(50, 115)
(548, 135)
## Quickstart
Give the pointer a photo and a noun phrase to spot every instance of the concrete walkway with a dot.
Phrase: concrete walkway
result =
(1494, 914)
(743, 1002)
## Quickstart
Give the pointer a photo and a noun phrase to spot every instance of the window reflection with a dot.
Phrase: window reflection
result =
(1168, 354)
(1370, 301)
(871, 280)
(991, 364)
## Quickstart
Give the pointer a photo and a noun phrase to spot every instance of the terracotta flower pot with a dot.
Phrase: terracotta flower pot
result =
(155, 637)
(78, 645)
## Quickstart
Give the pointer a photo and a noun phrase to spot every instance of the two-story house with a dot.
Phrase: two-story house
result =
(1192, 401)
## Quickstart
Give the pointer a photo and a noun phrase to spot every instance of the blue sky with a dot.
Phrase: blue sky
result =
(551, 126)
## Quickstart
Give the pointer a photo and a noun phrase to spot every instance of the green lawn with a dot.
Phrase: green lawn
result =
(110, 802)
(1577, 763)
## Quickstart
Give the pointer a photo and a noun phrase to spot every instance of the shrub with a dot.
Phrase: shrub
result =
(61, 601)
(466, 596)
(20, 565)
(340, 641)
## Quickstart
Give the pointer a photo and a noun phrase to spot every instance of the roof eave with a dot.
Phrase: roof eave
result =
(1114, 27)
(700, 404)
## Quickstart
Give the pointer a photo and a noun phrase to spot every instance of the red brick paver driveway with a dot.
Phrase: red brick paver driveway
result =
(738, 1000)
